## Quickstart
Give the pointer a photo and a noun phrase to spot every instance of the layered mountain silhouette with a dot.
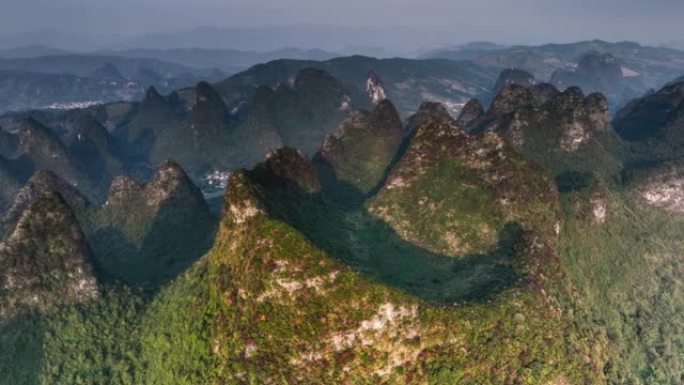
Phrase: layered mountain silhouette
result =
(531, 239)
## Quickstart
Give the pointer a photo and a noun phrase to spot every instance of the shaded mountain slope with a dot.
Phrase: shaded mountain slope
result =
(453, 193)
(45, 260)
(359, 152)
(147, 233)
(41, 183)
(653, 125)
(303, 316)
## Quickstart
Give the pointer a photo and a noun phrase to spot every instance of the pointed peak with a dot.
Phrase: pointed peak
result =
(204, 88)
(169, 170)
(32, 124)
(514, 76)
(153, 97)
(45, 222)
(510, 98)
(433, 107)
(386, 112)
(40, 183)
(543, 92)
(315, 82)
(427, 112)
(471, 112)
(87, 125)
(242, 203)
(599, 111)
(571, 98)
(286, 167)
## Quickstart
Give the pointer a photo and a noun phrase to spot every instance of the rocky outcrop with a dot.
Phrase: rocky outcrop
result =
(45, 261)
(661, 186)
(566, 132)
(375, 88)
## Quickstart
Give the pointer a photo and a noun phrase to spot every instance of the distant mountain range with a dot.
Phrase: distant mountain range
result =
(145, 110)
(636, 69)
(227, 60)
(517, 243)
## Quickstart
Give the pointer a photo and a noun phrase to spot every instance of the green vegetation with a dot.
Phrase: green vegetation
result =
(627, 276)
(468, 265)
(361, 150)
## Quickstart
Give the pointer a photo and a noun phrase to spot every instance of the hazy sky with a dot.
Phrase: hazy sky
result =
(436, 21)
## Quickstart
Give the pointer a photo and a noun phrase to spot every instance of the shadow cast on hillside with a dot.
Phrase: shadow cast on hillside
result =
(372, 247)
(176, 239)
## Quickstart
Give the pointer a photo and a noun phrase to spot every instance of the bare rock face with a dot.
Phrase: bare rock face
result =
(662, 186)
(581, 117)
(375, 88)
(46, 260)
